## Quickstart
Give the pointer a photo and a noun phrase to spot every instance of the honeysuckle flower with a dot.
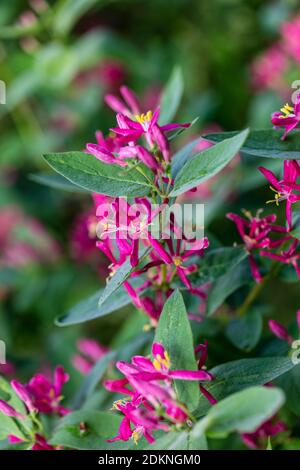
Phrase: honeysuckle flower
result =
(254, 231)
(289, 256)
(268, 69)
(46, 396)
(90, 351)
(39, 443)
(151, 402)
(290, 31)
(258, 438)
(288, 117)
(8, 410)
(284, 189)
(146, 124)
(23, 394)
(129, 107)
(177, 256)
(281, 332)
(160, 369)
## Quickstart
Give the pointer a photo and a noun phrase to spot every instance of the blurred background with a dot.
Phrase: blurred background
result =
(58, 59)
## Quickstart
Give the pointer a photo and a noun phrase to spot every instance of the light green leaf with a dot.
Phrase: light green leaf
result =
(174, 332)
(99, 426)
(171, 97)
(243, 411)
(207, 163)
(56, 181)
(90, 173)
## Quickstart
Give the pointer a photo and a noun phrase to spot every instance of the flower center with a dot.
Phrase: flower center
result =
(278, 196)
(144, 119)
(287, 110)
(162, 362)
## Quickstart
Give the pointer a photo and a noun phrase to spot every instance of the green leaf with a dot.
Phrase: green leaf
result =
(223, 287)
(99, 426)
(56, 181)
(207, 163)
(243, 412)
(237, 375)
(67, 12)
(171, 97)
(8, 425)
(264, 143)
(192, 440)
(180, 158)
(90, 173)
(296, 225)
(174, 332)
(244, 333)
(290, 383)
(217, 263)
(89, 309)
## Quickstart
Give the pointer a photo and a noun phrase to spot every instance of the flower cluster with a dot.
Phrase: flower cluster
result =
(151, 402)
(270, 70)
(39, 396)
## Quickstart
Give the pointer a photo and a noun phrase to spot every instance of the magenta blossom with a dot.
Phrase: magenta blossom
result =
(258, 438)
(39, 443)
(289, 117)
(46, 396)
(254, 232)
(90, 351)
(284, 189)
(289, 256)
(152, 403)
(281, 332)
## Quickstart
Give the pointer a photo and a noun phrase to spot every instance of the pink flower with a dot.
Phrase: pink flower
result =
(23, 394)
(8, 410)
(280, 331)
(152, 403)
(289, 256)
(268, 69)
(47, 396)
(289, 117)
(258, 438)
(90, 352)
(254, 233)
(284, 189)
(291, 37)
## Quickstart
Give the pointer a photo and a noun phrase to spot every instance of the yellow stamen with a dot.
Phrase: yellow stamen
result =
(162, 361)
(142, 118)
(136, 436)
(177, 261)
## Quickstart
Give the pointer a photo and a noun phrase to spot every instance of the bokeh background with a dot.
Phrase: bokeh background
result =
(58, 59)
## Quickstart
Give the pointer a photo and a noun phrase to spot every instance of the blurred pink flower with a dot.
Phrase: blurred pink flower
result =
(90, 351)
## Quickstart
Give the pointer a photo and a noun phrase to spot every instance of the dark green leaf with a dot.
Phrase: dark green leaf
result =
(265, 143)
(244, 333)
(237, 375)
(90, 173)
(174, 332)
(226, 285)
(290, 383)
(243, 412)
(99, 426)
(180, 158)
(207, 163)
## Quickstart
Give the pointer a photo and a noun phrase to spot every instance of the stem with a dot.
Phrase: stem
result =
(257, 288)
